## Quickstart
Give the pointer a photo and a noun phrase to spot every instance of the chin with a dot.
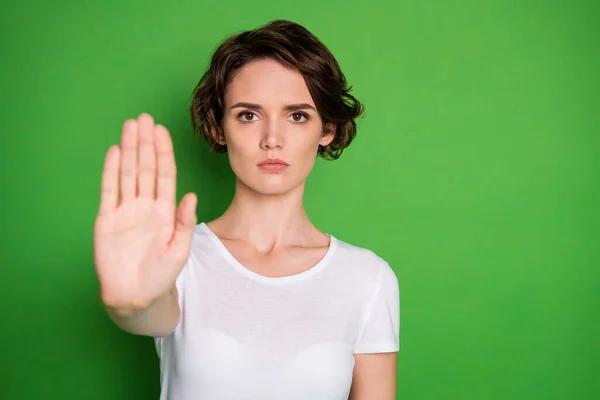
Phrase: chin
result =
(272, 185)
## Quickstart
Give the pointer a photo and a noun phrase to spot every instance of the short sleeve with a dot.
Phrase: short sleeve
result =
(380, 332)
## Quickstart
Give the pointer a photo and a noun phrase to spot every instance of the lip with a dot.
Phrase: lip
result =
(272, 165)
(272, 161)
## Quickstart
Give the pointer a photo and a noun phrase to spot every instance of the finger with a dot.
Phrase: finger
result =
(109, 190)
(129, 160)
(185, 222)
(166, 181)
(147, 157)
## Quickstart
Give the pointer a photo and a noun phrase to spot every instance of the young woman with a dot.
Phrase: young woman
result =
(257, 304)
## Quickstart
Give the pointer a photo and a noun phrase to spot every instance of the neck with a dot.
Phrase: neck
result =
(266, 221)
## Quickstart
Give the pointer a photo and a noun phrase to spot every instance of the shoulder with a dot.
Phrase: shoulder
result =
(376, 291)
(364, 263)
(204, 241)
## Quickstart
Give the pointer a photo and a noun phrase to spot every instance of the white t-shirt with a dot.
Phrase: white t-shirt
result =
(244, 336)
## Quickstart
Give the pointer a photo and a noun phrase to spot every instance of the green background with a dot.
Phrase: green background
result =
(474, 174)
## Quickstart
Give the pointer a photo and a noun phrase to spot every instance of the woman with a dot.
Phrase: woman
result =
(259, 303)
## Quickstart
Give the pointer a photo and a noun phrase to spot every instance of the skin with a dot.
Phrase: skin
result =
(266, 222)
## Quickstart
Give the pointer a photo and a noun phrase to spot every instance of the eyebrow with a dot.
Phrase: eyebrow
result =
(289, 107)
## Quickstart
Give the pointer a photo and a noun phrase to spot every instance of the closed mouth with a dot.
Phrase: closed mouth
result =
(273, 162)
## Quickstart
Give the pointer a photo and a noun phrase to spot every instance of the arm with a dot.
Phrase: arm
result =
(374, 376)
(376, 349)
(141, 238)
(159, 319)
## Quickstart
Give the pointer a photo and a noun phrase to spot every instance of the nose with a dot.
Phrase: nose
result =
(272, 136)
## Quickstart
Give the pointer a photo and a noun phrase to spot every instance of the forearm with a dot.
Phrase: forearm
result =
(159, 319)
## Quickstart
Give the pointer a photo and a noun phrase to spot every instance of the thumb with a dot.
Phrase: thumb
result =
(185, 222)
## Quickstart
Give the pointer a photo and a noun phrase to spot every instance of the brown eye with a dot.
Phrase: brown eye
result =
(297, 117)
(247, 116)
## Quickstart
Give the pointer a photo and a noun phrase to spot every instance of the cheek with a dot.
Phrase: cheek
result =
(240, 155)
(241, 139)
(310, 147)
(305, 154)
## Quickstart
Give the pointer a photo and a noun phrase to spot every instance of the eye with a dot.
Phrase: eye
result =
(246, 116)
(298, 117)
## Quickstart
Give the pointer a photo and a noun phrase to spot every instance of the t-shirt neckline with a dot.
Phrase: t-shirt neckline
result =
(315, 269)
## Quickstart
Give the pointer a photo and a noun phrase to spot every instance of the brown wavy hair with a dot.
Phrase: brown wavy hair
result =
(295, 47)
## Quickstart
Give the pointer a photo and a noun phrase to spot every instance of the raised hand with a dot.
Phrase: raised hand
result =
(141, 238)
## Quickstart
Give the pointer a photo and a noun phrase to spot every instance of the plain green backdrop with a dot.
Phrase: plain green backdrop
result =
(474, 174)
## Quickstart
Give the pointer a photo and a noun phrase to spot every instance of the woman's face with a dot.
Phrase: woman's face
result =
(270, 115)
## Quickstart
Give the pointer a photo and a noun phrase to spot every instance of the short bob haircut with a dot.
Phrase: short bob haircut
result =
(295, 47)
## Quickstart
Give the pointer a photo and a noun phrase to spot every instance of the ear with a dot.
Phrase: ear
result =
(218, 136)
(327, 135)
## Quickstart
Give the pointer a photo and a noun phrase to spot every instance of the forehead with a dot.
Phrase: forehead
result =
(269, 83)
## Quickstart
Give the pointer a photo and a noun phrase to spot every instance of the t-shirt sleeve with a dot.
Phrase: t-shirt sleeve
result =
(380, 332)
